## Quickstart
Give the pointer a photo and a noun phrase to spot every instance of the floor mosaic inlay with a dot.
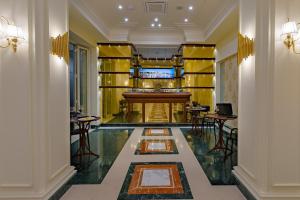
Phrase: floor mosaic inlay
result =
(165, 180)
(156, 147)
(157, 132)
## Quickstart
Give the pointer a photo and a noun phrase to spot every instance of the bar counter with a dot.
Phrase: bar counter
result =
(157, 97)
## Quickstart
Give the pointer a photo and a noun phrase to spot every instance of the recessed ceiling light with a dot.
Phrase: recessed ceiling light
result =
(120, 7)
(156, 19)
(152, 25)
(186, 20)
(191, 7)
(159, 25)
(126, 19)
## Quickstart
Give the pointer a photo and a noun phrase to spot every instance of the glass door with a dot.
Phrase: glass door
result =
(78, 71)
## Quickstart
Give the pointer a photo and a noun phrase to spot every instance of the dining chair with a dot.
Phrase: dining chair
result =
(232, 138)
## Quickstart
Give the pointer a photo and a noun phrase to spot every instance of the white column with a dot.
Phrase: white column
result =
(269, 109)
(34, 104)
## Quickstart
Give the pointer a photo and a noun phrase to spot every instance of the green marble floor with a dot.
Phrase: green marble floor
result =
(217, 171)
(107, 143)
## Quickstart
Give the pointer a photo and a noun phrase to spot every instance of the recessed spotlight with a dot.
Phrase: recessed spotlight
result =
(126, 19)
(191, 7)
(152, 25)
(156, 19)
(159, 25)
(120, 7)
(186, 20)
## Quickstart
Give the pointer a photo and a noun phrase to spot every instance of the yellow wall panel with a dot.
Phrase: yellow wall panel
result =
(115, 51)
(198, 52)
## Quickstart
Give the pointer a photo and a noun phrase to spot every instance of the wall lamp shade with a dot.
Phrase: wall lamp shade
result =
(290, 33)
(290, 28)
(11, 33)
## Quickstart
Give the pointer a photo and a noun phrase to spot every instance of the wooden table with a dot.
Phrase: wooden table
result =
(195, 113)
(157, 97)
(84, 125)
(220, 119)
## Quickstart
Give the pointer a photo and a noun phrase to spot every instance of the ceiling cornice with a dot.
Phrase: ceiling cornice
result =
(218, 20)
(159, 39)
(193, 35)
(95, 21)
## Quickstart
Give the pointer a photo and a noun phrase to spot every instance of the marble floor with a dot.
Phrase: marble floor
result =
(159, 175)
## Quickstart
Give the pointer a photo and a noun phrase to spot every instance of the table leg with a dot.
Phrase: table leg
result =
(143, 112)
(220, 144)
(84, 146)
(184, 113)
(170, 112)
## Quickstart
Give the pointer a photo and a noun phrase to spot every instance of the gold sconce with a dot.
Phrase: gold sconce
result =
(60, 46)
(11, 33)
(290, 34)
(245, 47)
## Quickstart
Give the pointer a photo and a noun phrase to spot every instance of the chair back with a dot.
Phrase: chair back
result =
(224, 109)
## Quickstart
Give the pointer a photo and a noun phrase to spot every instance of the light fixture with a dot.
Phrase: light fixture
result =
(126, 19)
(120, 7)
(186, 20)
(156, 19)
(60, 46)
(159, 25)
(191, 7)
(152, 25)
(11, 33)
(290, 34)
(245, 47)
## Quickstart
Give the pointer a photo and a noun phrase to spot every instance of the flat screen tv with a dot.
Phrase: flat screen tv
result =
(182, 72)
(131, 70)
(157, 73)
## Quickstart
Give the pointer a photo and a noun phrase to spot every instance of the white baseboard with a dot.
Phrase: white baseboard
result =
(260, 195)
(43, 195)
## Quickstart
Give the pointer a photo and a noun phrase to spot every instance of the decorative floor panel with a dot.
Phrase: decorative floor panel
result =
(157, 132)
(156, 147)
(165, 180)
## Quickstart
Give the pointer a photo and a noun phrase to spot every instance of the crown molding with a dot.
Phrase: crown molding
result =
(92, 18)
(218, 20)
(193, 36)
(139, 38)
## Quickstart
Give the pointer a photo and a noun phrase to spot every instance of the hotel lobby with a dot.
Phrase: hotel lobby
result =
(149, 99)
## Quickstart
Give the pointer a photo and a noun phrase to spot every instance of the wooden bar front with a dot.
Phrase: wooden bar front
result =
(157, 97)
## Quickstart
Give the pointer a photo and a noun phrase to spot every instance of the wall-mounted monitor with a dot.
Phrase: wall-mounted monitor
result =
(182, 72)
(131, 70)
(157, 73)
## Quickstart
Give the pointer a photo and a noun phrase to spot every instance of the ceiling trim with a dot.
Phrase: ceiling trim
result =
(218, 20)
(95, 21)
(173, 39)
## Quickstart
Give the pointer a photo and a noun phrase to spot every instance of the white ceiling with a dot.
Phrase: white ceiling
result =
(109, 20)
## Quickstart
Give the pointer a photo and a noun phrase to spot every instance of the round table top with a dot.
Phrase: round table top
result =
(88, 119)
(221, 117)
(197, 108)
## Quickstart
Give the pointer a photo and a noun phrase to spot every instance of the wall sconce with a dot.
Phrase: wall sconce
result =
(290, 34)
(11, 33)
(245, 47)
(60, 46)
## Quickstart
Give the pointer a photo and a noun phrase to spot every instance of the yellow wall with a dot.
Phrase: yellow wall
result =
(115, 51)
(201, 95)
(111, 97)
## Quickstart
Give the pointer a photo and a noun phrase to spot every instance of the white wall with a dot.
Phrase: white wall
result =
(285, 161)
(34, 103)
(269, 94)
